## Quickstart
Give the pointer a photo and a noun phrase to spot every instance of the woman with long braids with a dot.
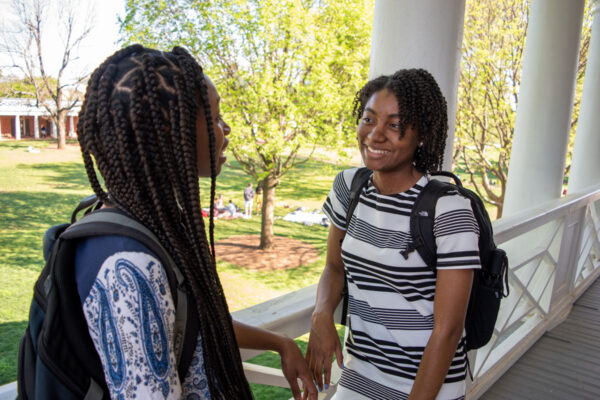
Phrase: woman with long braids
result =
(405, 322)
(150, 124)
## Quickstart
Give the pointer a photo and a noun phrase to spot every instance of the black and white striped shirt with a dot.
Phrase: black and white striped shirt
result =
(391, 298)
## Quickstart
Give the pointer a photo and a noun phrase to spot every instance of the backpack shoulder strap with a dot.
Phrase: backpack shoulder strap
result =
(88, 204)
(110, 221)
(448, 174)
(422, 217)
(50, 237)
(359, 181)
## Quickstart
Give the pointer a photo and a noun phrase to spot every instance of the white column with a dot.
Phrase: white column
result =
(17, 127)
(421, 34)
(36, 127)
(54, 130)
(543, 119)
(71, 127)
(585, 164)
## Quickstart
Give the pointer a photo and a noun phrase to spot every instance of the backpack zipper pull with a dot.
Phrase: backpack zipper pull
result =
(409, 248)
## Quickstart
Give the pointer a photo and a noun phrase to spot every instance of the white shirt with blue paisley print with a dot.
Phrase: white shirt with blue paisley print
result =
(130, 314)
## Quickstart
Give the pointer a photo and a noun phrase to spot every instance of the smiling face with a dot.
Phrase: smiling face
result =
(220, 128)
(383, 146)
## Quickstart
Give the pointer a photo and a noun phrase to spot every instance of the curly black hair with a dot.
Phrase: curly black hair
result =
(421, 105)
(138, 126)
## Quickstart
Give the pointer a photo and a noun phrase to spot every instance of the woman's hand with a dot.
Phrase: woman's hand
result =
(294, 367)
(293, 364)
(453, 288)
(323, 343)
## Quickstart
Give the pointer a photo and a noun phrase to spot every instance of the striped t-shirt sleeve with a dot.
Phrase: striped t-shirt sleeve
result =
(337, 202)
(457, 234)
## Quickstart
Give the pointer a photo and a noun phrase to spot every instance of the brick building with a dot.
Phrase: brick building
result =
(22, 118)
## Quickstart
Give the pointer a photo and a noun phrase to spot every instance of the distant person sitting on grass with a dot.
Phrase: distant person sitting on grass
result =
(150, 124)
(231, 208)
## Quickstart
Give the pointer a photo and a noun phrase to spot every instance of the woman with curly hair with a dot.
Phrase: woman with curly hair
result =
(150, 124)
(405, 321)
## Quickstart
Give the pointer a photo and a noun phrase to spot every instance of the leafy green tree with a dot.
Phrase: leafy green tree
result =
(287, 71)
(494, 37)
(11, 86)
(488, 94)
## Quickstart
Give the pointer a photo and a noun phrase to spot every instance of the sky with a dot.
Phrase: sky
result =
(100, 44)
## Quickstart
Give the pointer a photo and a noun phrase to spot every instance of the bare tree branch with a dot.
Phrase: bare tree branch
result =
(25, 44)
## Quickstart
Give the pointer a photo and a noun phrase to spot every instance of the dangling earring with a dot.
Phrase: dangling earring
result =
(418, 153)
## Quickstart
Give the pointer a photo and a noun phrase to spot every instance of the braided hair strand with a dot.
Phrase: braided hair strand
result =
(137, 125)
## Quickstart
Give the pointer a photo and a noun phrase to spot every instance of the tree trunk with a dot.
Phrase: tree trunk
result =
(268, 207)
(62, 129)
(500, 206)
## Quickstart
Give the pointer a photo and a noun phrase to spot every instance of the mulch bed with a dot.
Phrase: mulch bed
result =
(286, 253)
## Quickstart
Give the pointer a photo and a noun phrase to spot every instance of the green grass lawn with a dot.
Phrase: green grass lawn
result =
(38, 190)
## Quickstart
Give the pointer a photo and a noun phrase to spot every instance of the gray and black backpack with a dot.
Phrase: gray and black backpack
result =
(57, 358)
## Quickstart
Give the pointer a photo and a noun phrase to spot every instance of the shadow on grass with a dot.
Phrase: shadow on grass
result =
(16, 145)
(314, 234)
(38, 143)
(62, 175)
(310, 180)
(24, 218)
(10, 336)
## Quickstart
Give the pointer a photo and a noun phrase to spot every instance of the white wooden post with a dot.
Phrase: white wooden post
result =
(36, 127)
(17, 127)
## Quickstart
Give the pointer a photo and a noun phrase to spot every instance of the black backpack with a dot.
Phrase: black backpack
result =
(489, 282)
(57, 358)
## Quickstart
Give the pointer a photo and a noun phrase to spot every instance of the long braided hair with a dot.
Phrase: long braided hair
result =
(421, 105)
(138, 125)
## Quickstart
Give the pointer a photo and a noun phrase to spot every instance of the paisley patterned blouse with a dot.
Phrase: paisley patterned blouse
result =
(130, 314)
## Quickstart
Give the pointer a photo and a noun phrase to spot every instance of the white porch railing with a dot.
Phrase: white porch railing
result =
(554, 255)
